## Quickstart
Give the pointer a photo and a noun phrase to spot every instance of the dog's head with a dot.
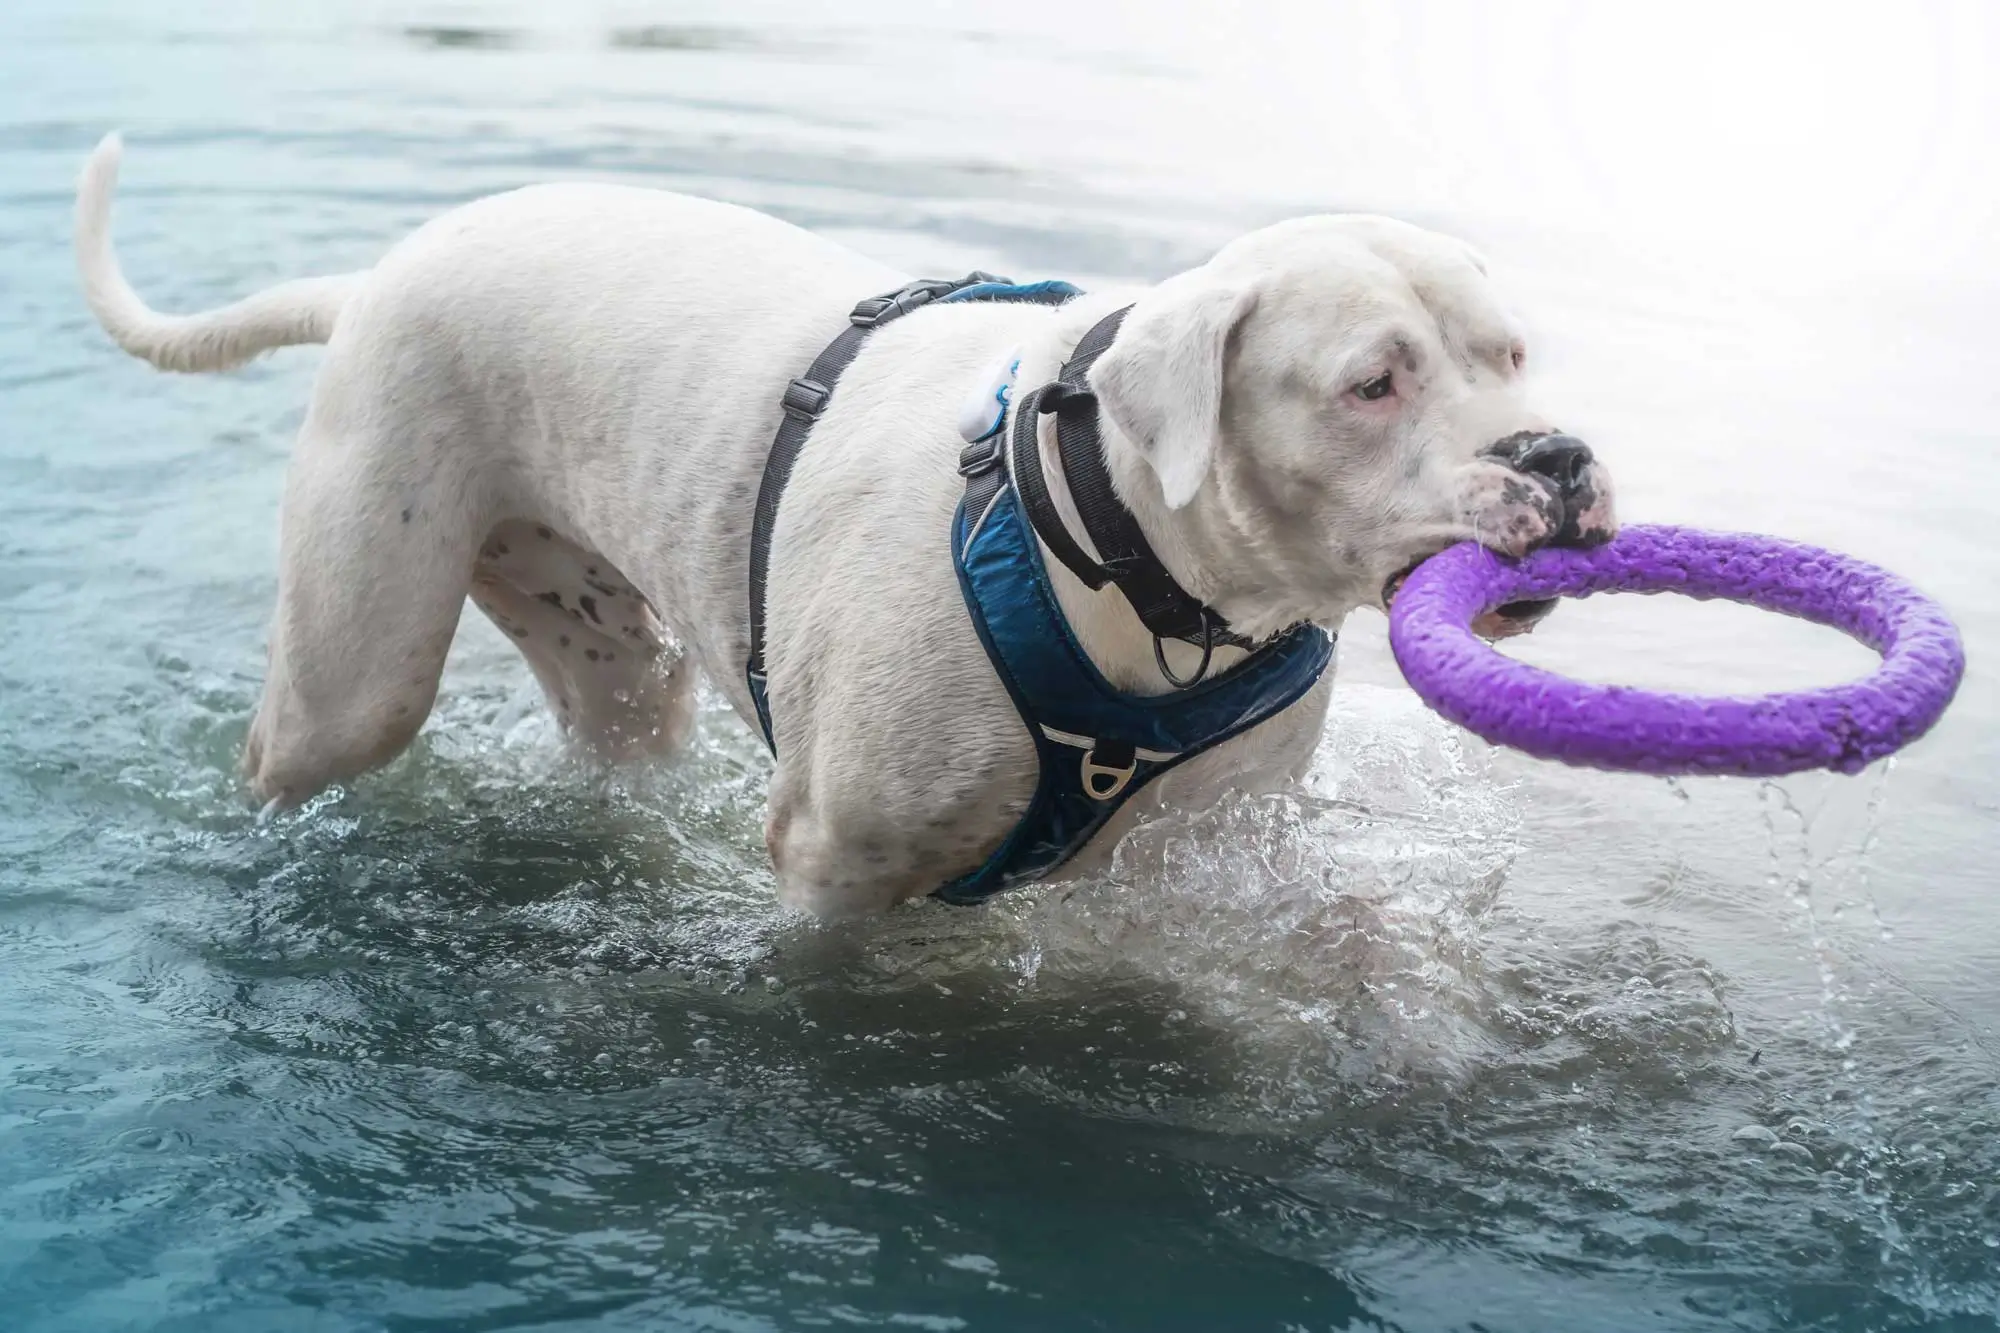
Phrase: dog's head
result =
(1326, 403)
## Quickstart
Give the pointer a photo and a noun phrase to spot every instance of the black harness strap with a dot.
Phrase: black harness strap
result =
(1034, 489)
(983, 465)
(1167, 609)
(805, 399)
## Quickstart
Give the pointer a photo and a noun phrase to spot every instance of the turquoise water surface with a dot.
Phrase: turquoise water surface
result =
(1446, 1040)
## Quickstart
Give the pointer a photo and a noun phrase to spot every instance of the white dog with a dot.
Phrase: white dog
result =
(560, 401)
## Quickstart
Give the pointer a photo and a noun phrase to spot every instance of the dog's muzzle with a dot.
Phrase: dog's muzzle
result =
(1561, 465)
(1568, 490)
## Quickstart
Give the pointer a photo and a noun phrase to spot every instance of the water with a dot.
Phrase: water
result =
(1448, 1039)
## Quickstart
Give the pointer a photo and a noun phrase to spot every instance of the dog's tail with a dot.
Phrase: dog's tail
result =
(303, 311)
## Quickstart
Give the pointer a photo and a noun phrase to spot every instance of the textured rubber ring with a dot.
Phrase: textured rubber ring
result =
(1613, 726)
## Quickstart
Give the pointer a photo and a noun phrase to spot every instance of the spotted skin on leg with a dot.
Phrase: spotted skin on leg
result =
(613, 682)
(572, 579)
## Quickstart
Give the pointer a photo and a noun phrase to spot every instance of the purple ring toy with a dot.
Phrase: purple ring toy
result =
(1612, 726)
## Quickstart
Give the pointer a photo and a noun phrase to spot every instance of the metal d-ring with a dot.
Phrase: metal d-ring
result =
(1207, 654)
(1113, 779)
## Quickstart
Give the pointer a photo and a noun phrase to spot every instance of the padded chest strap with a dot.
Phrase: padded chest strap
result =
(1096, 745)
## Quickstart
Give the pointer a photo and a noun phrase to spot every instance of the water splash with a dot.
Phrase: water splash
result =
(1333, 926)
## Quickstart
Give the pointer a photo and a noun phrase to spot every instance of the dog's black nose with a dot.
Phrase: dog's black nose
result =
(1571, 497)
(1560, 458)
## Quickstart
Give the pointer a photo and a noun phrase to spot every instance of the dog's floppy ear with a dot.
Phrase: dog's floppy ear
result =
(1160, 381)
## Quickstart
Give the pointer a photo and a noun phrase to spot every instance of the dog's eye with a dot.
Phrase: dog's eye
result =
(1379, 387)
(1519, 354)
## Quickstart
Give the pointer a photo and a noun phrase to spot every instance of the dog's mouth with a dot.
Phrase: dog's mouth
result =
(1502, 622)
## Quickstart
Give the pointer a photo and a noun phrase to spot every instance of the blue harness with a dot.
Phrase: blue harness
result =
(1097, 745)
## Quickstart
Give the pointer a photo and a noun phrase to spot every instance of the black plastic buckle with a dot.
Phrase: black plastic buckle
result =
(981, 456)
(805, 399)
(881, 309)
(874, 311)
